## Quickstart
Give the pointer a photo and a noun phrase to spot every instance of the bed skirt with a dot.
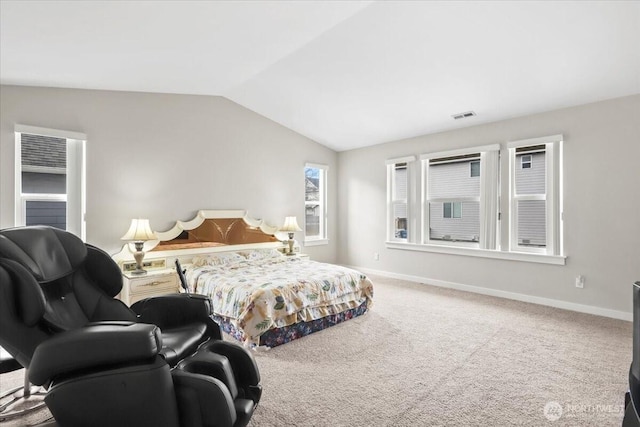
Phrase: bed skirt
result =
(279, 336)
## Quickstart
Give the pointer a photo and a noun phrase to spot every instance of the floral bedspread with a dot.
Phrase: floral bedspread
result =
(258, 295)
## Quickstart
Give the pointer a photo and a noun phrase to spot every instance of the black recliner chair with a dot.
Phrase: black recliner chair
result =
(632, 397)
(160, 363)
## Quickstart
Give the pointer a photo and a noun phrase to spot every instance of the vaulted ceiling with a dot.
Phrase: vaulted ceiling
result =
(347, 74)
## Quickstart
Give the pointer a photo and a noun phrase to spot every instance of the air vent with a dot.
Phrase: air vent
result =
(463, 115)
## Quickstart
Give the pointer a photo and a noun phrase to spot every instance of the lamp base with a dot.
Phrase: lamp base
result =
(138, 255)
(290, 242)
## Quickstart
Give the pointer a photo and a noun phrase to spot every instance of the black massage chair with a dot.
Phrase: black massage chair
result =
(161, 362)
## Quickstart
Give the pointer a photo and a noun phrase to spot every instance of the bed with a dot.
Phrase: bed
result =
(260, 296)
(264, 298)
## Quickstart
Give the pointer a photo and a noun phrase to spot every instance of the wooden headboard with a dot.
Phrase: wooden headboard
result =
(210, 231)
(217, 232)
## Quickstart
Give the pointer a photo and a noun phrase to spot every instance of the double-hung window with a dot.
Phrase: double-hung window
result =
(50, 178)
(534, 194)
(315, 204)
(398, 198)
(460, 197)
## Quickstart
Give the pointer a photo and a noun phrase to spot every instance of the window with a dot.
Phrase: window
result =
(475, 169)
(452, 210)
(315, 201)
(450, 190)
(535, 195)
(459, 205)
(398, 198)
(50, 178)
(453, 206)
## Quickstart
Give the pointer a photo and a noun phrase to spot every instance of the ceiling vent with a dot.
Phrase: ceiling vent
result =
(463, 115)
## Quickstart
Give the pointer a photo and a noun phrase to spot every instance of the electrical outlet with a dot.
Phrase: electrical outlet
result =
(580, 282)
(376, 256)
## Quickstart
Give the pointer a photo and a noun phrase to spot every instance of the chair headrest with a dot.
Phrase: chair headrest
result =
(46, 252)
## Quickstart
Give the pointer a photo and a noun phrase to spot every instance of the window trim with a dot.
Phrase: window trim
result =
(323, 236)
(75, 195)
(480, 253)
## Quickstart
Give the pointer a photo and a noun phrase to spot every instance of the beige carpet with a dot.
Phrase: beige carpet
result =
(10, 381)
(427, 356)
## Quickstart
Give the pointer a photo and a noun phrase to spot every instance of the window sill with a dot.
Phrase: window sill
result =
(316, 242)
(483, 253)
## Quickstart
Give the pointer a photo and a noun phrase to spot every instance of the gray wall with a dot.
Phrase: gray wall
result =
(163, 157)
(601, 152)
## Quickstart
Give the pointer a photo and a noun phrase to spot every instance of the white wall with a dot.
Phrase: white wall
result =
(165, 156)
(601, 208)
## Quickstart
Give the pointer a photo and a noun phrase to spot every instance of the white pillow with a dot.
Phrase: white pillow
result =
(257, 254)
(217, 259)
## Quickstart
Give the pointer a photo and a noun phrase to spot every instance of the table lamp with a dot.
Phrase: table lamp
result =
(139, 232)
(290, 226)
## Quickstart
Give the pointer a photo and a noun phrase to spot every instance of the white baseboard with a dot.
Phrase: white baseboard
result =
(589, 309)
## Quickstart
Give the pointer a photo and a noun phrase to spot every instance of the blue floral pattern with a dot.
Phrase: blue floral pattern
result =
(279, 336)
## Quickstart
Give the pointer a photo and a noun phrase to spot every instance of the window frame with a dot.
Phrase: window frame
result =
(75, 194)
(392, 201)
(552, 196)
(323, 236)
(488, 204)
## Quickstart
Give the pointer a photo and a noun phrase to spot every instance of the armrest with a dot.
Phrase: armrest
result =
(201, 397)
(97, 344)
(175, 310)
(242, 361)
(244, 366)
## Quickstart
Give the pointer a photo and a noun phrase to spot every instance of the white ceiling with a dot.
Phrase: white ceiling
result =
(347, 74)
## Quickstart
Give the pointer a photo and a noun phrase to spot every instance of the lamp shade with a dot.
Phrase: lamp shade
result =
(290, 224)
(139, 231)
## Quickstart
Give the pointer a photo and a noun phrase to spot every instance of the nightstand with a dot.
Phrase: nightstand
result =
(298, 256)
(152, 284)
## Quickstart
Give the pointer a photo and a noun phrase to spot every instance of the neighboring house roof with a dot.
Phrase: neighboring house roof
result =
(312, 191)
(43, 152)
